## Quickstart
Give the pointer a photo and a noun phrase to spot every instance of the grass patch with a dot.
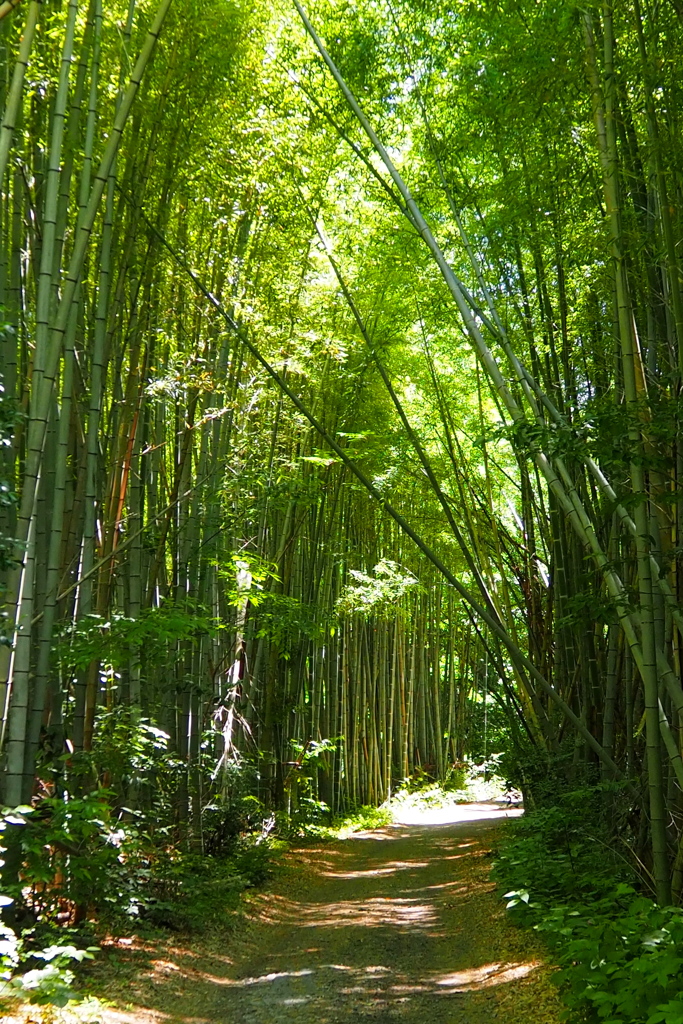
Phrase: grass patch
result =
(363, 820)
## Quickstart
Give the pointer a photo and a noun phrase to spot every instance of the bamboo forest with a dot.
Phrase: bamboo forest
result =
(341, 469)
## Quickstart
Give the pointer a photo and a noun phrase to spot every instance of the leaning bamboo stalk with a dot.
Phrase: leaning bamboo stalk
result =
(13, 104)
(45, 283)
(17, 699)
(670, 744)
(21, 662)
(577, 514)
(71, 145)
(571, 505)
(80, 249)
(569, 499)
(534, 393)
(635, 388)
(403, 524)
(7, 7)
(44, 645)
(472, 563)
(91, 38)
(84, 585)
(48, 367)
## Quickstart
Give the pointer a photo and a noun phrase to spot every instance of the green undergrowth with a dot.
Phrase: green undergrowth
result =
(191, 892)
(464, 783)
(566, 872)
(363, 820)
(86, 873)
(302, 829)
(311, 820)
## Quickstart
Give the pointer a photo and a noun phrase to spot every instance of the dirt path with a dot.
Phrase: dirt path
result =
(396, 925)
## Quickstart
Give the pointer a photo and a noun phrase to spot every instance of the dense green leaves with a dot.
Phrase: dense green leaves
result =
(214, 619)
(620, 955)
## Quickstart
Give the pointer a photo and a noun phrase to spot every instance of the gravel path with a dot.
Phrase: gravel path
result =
(395, 926)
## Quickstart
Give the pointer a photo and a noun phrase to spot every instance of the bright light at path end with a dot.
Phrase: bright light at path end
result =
(454, 813)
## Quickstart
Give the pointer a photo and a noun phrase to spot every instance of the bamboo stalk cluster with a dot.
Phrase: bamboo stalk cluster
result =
(544, 397)
(225, 405)
(176, 559)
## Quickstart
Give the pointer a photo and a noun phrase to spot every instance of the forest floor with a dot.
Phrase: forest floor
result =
(401, 924)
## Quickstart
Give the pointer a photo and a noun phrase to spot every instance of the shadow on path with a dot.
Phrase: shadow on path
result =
(398, 924)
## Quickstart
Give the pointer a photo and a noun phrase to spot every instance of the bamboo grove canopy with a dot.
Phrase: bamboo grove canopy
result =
(341, 362)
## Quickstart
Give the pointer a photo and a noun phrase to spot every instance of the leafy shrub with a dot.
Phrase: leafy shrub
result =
(76, 854)
(254, 860)
(621, 958)
(309, 821)
(620, 954)
(568, 850)
(363, 819)
(191, 893)
(544, 778)
(225, 821)
(456, 776)
(299, 829)
(53, 983)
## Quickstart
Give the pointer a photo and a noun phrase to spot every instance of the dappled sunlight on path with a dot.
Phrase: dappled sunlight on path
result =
(399, 924)
(371, 913)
